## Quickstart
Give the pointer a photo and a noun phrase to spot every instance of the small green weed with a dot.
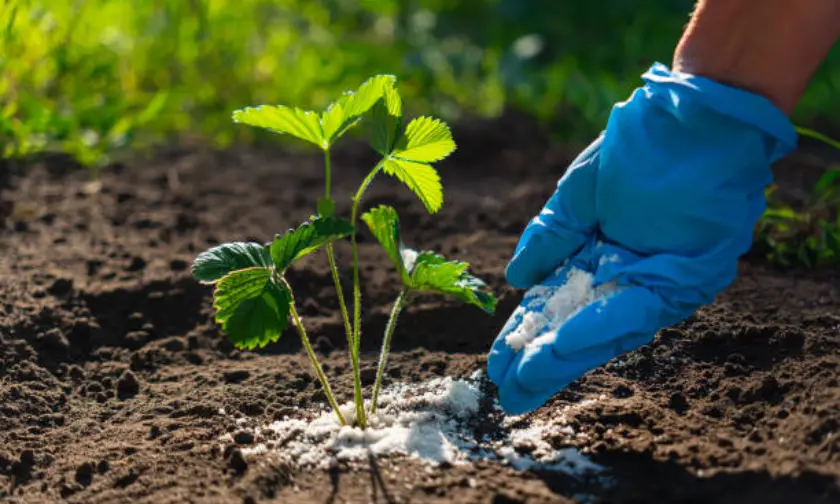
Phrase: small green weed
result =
(808, 237)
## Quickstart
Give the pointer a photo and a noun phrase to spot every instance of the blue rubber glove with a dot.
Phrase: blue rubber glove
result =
(655, 213)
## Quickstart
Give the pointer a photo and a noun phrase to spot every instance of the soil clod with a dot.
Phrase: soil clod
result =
(128, 385)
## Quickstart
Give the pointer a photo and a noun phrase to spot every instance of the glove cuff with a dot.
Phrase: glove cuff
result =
(739, 104)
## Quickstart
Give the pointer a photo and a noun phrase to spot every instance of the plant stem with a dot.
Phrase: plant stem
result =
(358, 397)
(327, 174)
(361, 418)
(318, 370)
(357, 294)
(386, 346)
(341, 302)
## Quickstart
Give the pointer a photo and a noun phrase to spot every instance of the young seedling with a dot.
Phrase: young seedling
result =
(252, 298)
(419, 272)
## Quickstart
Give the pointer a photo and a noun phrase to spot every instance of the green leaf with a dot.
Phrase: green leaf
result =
(332, 119)
(433, 273)
(827, 188)
(384, 223)
(303, 124)
(294, 244)
(367, 95)
(832, 238)
(425, 140)
(781, 215)
(386, 121)
(217, 262)
(421, 178)
(326, 207)
(251, 307)
(345, 112)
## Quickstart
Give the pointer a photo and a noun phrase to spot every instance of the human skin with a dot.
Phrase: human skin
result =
(769, 47)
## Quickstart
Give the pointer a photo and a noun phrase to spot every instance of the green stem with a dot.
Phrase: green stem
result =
(357, 294)
(318, 370)
(327, 174)
(386, 346)
(358, 397)
(361, 419)
(342, 304)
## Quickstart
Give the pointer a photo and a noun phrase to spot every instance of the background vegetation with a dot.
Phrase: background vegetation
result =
(91, 77)
(88, 76)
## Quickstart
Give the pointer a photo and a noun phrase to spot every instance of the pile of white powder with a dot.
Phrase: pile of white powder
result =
(544, 309)
(433, 422)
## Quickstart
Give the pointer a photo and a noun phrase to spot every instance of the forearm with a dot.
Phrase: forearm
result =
(770, 47)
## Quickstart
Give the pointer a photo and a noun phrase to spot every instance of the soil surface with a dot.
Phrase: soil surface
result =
(113, 374)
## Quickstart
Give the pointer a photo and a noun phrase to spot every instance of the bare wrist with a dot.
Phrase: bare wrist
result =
(770, 47)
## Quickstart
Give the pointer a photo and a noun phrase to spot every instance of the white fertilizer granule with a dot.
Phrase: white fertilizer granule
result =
(434, 422)
(545, 309)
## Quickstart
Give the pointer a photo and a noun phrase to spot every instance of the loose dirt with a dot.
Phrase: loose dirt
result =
(116, 386)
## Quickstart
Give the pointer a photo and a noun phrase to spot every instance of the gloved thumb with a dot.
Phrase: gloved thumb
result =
(562, 227)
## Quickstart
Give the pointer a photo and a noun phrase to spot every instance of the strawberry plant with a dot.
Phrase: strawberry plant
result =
(253, 299)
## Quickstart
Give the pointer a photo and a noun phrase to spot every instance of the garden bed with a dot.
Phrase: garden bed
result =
(115, 384)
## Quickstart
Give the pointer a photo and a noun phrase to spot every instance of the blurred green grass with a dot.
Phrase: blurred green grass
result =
(92, 77)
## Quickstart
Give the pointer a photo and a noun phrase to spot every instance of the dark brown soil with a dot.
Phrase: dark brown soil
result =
(112, 373)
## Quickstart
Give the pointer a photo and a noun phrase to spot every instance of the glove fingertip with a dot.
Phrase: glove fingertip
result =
(513, 397)
(633, 311)
(501, 355)
(519, 275)
(497, 365)
(516, 401)
(544, 246)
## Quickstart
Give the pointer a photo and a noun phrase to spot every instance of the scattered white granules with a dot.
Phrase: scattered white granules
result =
(545, 309)
(531, 324)
(434, 422)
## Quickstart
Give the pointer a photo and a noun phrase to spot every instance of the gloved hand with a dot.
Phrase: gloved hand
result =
(654, 214)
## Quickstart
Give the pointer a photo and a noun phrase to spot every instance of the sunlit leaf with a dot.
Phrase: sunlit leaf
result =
(781, 214)
(347, 110)
(421, 178)
(367, 95)
(425, 140)
(294, 244)
(217, 262)
(303, 124)
(251, 307)
(386, 121)
(384, 223)
(433, 273)
(333, 120)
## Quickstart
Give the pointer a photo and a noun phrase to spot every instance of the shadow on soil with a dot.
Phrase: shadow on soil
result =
(637, 477)
(633, 477)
